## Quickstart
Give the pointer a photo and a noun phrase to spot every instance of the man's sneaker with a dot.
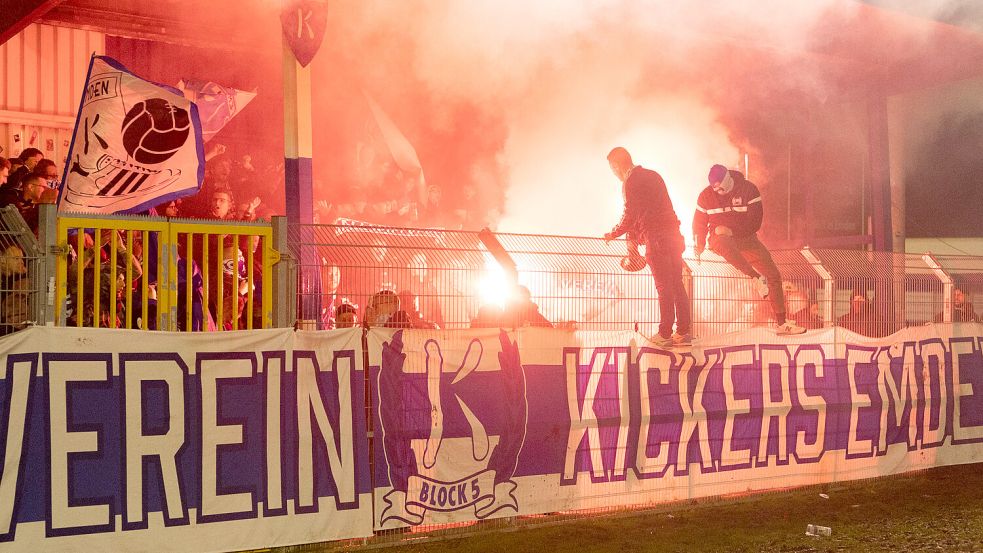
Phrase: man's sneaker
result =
(789, 327)
(660, 342)
(761, 283)
(682, 339)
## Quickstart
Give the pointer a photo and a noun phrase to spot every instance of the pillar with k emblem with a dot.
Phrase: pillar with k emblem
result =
(303, 23)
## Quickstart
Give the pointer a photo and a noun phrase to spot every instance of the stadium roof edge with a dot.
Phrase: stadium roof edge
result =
(16, 15)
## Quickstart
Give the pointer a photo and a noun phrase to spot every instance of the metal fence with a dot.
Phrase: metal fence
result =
(437, 278)
(164, 274)
(23, 274)
(456, 279)
(124, 271)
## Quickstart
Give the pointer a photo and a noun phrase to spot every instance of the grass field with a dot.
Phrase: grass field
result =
(937, 510)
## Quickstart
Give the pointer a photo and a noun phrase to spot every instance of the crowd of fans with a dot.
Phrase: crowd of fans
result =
(235, 190)
(862, 315)
(383, 194)
(219, 295)
(27, 181)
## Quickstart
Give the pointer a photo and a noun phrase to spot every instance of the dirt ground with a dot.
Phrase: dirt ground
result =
(937, 510)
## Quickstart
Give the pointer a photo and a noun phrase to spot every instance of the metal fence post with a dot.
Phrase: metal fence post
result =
(167, 282)
(498, 251)
(688, 281)
(829, 290)
(284, 277)
(48, 258)
(947, 285)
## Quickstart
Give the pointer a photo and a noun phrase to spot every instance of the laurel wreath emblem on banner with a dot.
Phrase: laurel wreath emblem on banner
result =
(401, 405)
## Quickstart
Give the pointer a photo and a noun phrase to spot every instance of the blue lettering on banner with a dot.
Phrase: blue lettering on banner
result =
(97, 442)
(434, 495)
(745, 407)
(89, 439)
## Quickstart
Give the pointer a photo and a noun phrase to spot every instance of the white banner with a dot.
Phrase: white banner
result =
(118, 440)
(491, 423)
(452, 408)
(217, 104)
(147, 441)
(136, 144)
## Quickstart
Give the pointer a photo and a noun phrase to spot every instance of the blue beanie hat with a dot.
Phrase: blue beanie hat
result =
(717, 173)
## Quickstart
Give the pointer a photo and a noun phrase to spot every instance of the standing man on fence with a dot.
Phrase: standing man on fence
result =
(650, 219)
(730, 209)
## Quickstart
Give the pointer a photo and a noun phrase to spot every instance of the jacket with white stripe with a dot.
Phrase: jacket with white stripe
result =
(740, 210)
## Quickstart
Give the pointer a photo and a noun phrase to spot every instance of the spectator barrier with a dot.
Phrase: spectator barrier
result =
(440, 279)
(551, 404)
(24, 274)
(164, 274)
(458, 279)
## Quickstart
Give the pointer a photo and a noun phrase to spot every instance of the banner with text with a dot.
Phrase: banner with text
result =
(127, 440)
(117, 440)
(489, 423)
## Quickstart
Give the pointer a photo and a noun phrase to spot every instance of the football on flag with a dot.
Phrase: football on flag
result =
(154, 130)
(136, 144)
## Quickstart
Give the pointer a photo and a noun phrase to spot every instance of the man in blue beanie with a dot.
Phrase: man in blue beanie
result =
(650, 219)
(729, 209)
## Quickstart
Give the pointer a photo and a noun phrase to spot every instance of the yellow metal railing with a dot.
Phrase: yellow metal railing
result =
(133, 264)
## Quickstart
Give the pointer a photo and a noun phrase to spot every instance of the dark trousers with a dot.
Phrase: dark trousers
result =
(748, 255)
(664, 253)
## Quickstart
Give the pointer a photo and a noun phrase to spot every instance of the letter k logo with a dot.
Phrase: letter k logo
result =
(304, 23)
(435, 367)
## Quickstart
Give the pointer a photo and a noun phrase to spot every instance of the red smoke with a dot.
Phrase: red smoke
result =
(512, 106)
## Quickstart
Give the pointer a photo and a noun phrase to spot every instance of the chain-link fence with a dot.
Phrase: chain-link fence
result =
(23, 286)
(352, 273)
(346, 274)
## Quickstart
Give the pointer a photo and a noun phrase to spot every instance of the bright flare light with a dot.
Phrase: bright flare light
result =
(493, 286)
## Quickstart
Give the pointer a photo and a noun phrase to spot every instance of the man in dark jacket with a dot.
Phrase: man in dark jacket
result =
(650, 219)
(730, 209)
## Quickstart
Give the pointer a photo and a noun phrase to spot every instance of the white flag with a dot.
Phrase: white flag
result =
(399, 146)
(136, 144)
(217, 104)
